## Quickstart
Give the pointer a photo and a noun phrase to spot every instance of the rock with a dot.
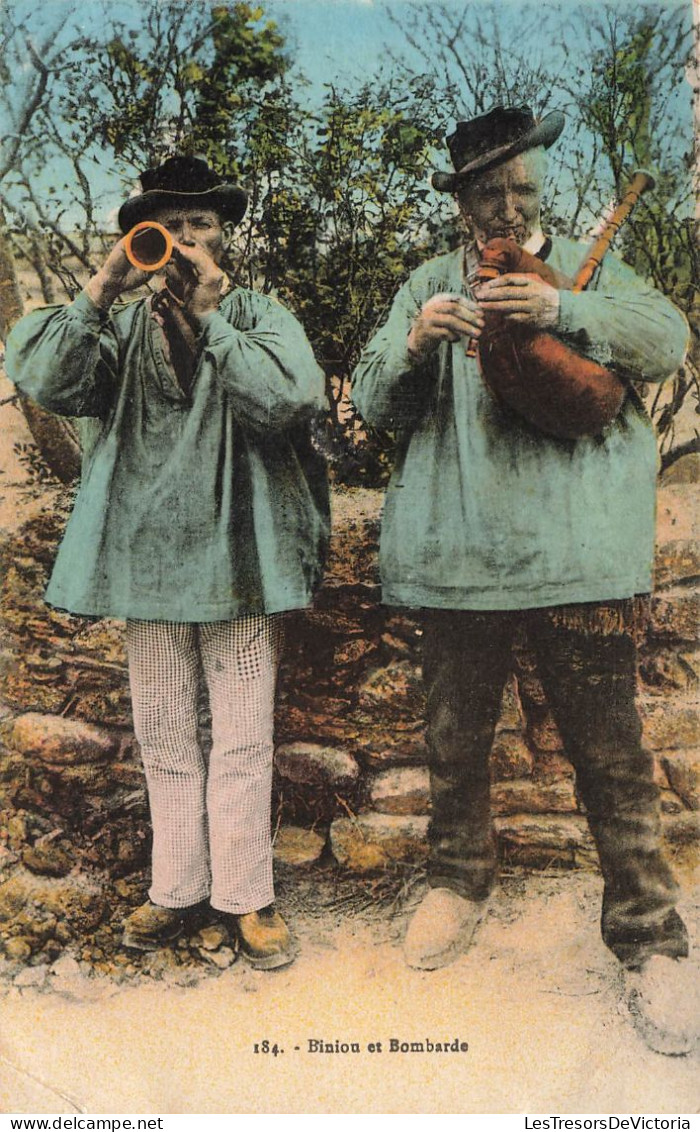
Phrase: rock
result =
(681, 829)
(20, 689)
(32, 976)
(59, 741)
(676, 613)
(329, 722)
(7, 859)
(380, 747)
(511, 717)
(686, 470)
(670, 803)
(296, 846)
(77, 899)
(676, 561)
(510, 756)
(210, 937)
(47, 665)
(549, 839)
(401, 790)
(542, 732)
(66, 967)
(396, 647)
(18, 831)
(353, 651)
(683, 772)
(222, 958)
(160, 964)
(105, 704)
(102, 641)
(551, 766)
(311, 764)
(530, 796)
(48, 857)
(393, 690)
(669, 670)
(374, 841)
(670, 722)
(18, 948)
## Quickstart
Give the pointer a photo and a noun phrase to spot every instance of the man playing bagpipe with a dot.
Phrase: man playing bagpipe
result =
(526, 497)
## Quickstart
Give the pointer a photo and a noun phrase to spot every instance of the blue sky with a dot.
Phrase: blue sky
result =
(331, 41)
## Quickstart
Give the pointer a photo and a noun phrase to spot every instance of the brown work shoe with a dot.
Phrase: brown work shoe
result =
(151, 927)
(441, 929)
(264, 939)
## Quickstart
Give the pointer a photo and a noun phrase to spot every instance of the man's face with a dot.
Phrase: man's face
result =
(505, 201)
(202, 228)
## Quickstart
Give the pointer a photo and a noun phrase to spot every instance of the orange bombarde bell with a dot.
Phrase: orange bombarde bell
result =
(148, 246)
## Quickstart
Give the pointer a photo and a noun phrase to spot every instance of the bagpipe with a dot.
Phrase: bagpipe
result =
(562, 393)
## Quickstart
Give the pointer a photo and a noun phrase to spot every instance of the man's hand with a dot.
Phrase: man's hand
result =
(445, 317)
(117, 274)
(521, 298)
(195, 278)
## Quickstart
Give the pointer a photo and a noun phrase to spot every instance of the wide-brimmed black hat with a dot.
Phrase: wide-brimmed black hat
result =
(182, 181)
(495, 137)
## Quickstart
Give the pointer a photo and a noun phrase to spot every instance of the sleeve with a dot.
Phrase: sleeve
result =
(65, 358)
(389, 387)
(268, 365)
(626, 323)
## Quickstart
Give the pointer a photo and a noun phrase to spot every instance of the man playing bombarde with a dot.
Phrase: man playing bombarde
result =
(201, 517)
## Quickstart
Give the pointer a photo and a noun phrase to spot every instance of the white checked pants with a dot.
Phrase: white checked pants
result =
(211, 824)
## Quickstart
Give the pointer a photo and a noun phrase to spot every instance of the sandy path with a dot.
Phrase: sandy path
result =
(535, 999)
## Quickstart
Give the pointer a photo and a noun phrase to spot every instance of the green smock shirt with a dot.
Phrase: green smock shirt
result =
(483, 511)
(192, 507)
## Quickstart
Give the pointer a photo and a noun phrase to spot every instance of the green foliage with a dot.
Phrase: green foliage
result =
(340, 203)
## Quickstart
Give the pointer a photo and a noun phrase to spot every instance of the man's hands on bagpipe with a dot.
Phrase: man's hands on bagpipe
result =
(521, 298)
(445, 317)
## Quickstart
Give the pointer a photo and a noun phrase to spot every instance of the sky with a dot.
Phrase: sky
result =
(331, 41)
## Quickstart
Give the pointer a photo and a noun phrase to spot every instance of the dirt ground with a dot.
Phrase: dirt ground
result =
(536, 1000)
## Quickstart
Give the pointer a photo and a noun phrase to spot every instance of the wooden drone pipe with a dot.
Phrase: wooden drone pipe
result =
(641, 181)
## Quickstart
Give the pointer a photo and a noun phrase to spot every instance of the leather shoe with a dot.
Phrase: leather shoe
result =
(264, 939)
(441, 929)
(662, 999)
(151, 927)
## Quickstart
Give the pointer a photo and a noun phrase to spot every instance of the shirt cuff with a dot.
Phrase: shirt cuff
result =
(89, 311)
(571, 310)
(214, 329)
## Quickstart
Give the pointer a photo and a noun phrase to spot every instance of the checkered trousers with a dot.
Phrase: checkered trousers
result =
(211, 824)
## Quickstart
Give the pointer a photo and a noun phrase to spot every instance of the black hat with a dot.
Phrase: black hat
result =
(178, 181)
(493, 138)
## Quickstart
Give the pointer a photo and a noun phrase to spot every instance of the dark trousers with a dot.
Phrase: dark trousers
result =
(590, 683)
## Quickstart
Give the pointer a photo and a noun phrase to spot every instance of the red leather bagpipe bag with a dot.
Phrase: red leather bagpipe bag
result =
(555, 389)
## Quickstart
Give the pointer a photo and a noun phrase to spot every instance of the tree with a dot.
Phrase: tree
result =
(340, 203)
(618, 71)
(32, 61)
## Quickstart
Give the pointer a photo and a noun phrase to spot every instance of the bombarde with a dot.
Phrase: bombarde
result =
(562, 393)
(148, 246)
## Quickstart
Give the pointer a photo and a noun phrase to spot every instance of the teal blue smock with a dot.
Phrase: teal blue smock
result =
(485, 512)
(199, 507)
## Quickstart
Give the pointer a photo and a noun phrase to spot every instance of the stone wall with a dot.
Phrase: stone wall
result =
(350, 780)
